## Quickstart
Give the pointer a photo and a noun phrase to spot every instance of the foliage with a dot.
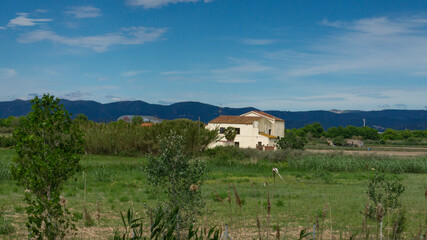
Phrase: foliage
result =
(230, 133)
(291, 141)
(353, 163)
(339, 141)
(7, 141)
(399, 224)
(127, 139)
(133, 227)
(137, 120)
(5, 226)
(11, 121)
(5, 171)
(164, 226)
(81, 118)
(179, 176)
(385, 191)
(315, 129)
(102, 174)
(391, 134)
(48, 152)
(366, 133)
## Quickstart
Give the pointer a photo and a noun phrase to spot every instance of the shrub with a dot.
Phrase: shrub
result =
(385, 191)
(339, 141)
(179, 176)
(5, 171)
(291, 141)
(7, 141)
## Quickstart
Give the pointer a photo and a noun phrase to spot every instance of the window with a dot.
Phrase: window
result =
(259, 143)
(269, 131)
(236, 144)
(237, 130)
(222, 130)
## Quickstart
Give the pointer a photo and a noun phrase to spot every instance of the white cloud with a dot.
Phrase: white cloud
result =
(249, 41)
(8, 72)
(365, 46)
(113, 98)
(2, 28)
(159, 3)
(24, 20)
(99, 43)
(132, 73)
(84, 11)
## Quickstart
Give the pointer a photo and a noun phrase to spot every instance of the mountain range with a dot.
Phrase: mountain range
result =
(95, 111)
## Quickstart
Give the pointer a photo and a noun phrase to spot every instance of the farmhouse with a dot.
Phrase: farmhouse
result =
(254, 129)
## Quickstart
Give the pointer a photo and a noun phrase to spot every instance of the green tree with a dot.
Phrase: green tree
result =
(315, 129)
(48, 151)
(230, 133)
(291, 141)
(81, 118)
(391, 134)
(179, 176)
(137, 119)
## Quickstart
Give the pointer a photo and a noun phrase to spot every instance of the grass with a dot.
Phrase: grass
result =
(117, 183)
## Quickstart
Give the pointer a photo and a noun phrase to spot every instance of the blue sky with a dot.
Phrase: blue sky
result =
(273, 55)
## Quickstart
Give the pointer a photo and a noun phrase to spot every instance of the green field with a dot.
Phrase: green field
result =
(118, 183)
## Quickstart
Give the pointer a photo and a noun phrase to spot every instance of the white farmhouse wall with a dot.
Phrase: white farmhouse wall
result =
(265, 126)
(248, 137)
(279, 129)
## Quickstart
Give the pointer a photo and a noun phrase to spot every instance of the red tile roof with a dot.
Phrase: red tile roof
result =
(235, 119)
(266, 115)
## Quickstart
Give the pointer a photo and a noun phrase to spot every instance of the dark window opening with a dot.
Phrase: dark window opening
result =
(259, 143)
(236, 144)
(221, 130)
(269, 131)
(237, 130)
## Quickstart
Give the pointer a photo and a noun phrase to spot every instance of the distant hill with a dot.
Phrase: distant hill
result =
(396, 119)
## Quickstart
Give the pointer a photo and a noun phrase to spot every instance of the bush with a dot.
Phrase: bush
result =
(339, 141)
(5, 171)
(179, 176)
(7, 141)
(291, 141)
(385, 191)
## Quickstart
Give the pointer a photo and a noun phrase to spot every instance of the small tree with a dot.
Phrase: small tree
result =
(48, 152)
(230, 133)
(179, 176)
(137, 119)
(385, 191)
(291, 141)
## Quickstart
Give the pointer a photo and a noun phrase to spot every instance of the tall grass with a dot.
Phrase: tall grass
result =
(343, 163)
(332, 162)
(127, 139)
